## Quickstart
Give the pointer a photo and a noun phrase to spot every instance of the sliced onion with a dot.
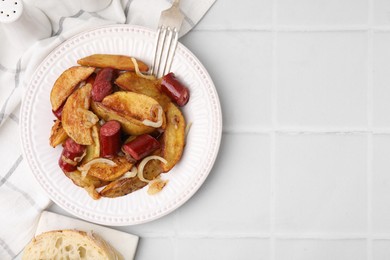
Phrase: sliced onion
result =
(130, 174)
(82, 84)
(85, 168)
(156, 186)
(83, 174)
(138, 72)
(102, 122)
(159, 119)
(78, 159)
(188, 127)
(68, 161)
(89, 118)
(142, 164)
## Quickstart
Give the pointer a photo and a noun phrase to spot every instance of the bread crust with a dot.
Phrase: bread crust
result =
(69, 244)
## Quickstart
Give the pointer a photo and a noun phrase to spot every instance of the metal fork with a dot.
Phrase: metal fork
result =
(167, 39)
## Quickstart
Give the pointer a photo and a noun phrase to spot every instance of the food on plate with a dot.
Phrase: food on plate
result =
(110, 139)
(122, 187)
(173, 139)
(174, 89)
(156, 186)
(102, 85)
(105, 169)
(57, 134)
(129, 125)
(66, 83)
(130, 81)
(153, 168)
(77, 119)
(93, 150)
(69, 244)
(137, 113)
(141, 146)
(120, 129)
(85, 181)
(136, 106)
(71, 155)
(58, 112)
(119, 62)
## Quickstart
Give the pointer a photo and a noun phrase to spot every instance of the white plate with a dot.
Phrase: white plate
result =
(203, 140)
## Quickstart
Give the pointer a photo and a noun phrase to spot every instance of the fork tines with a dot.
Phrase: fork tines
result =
(165, 47)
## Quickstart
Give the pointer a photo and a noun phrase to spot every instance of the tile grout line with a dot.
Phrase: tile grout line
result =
(369, 195)
(276, 235)
(298, 28)
(370, 110)
(272, 213)
(305, 131)
(274, 112)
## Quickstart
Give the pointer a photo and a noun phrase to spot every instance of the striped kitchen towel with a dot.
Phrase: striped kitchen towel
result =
(21, 198)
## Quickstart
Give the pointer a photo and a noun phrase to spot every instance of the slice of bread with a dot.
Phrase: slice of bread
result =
(69, 244)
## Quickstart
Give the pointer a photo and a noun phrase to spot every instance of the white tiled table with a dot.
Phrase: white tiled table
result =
(304, 166)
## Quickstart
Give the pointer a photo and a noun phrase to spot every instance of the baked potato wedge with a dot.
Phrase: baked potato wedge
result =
(57, 134)
(133, 105)
(85, 182)
(130, 110)
(122, 187)
(106, 172)
(173, 139)
(119, 62)
(93, 150)
(129, 125)
(66, 83)
(125, 186)
(130, 81)
(77, 120)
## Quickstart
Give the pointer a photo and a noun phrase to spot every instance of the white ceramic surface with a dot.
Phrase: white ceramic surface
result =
(203, 140)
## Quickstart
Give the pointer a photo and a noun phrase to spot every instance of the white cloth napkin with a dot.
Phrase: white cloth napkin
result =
(21, 198)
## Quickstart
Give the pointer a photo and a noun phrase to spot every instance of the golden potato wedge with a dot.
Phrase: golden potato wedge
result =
(122, 187)
(120, 62)
(93, 150)
(153, 168)
(173, 139)
(66, 83)
(77, 120)
(131, 82)
(57, 134)
(129, 125)
(106, 172)
(85, 182)
(125, 186)
(133, 105)
(130, 109)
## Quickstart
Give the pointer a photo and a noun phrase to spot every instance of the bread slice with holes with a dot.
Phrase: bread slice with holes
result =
(69, 244)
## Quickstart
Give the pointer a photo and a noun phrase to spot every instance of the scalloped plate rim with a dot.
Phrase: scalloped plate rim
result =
(25, 136)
